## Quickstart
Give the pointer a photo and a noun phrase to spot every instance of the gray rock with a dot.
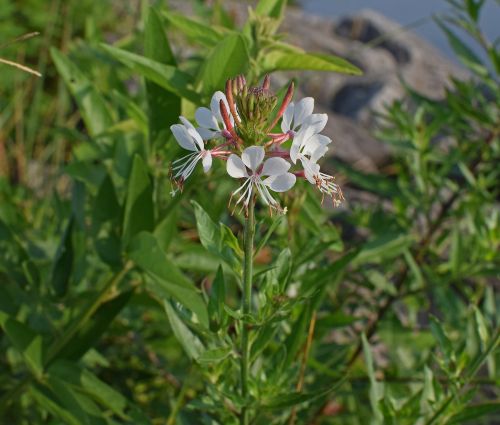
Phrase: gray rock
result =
(387, 54)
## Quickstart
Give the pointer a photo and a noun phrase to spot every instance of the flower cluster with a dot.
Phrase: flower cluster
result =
(239, 125)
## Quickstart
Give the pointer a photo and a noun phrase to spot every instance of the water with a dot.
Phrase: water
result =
(416, 14)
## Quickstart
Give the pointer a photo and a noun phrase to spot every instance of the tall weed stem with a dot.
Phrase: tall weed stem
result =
(246, 302)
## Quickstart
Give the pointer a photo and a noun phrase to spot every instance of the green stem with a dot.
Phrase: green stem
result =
(247, 306)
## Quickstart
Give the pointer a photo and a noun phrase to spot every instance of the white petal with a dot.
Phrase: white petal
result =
(183, 137)
(197, 138)
(235, 167)
(281, 183)
(316, 146)
(207, 161)
(311, 169)
(287, 118)
(186, 122)
(315, 123)
(275, 167)
(205, 118)
(252, 157)
(318, 153)
(294, 152)
(207, 134)
(215, 104)
(303, 109)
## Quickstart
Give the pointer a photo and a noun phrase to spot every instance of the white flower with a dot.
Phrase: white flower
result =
(211, 124)
(189, 139)
(274, 169)
(300, 123)
(324, 182)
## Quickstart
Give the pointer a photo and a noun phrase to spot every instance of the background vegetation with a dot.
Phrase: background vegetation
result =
(119, 303)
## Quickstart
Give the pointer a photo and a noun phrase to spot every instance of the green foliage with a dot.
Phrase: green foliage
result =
(119, 303)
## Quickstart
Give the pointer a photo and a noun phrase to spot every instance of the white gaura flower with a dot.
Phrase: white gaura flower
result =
(211, 124)
(189, 138)
(271, 174)
(324, 182)
(299, 118)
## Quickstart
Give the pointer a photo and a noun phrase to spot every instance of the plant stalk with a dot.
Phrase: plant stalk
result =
(246, 303)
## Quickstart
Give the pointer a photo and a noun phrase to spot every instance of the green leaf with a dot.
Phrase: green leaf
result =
(281, 60)
(294, 341)
(271, 8)
(293, 399)
(229, 58)
(440, 335)
(106, 206)
(214, 355)
(74, 375)
(283, 270)
(168, 280)
(93, 108)
(48, 401)
(475, 412)
(190, 342)
(204, 34)
(383, 247)
(77, 403)
(218, 239)
(463, 52)
(94, 328)
(26, 341)
(376, 388)
(164, 107)
(167, 76)
(216, 301)
(139, 209)
(63, 262)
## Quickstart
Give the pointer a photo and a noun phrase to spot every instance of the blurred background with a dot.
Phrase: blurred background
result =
(411, 259)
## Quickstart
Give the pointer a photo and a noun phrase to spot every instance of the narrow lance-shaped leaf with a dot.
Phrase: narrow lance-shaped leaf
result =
(216, 301)
(26, 341)
(279, 60)
(218, 239)
(63, 262)
(190, 342)
(167, 279)
(164, 106)
(139, 212)
(204, 34)
(228, 58)
(169, 77)
(271, 8)
(376, 388)
(93, 108)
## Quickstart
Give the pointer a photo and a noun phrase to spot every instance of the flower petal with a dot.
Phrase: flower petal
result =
(316, 146)
(207, 134)
(215, 104)
(186, 122)
(311, 169)
(281, 183)
(275, 166)
(192, 132)
(294, 152)
(315, 123)
(205, 118)
(207, 161)
(183, 137)
(252, 157)
(235, 167)
(287, 118)
(303, 109)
